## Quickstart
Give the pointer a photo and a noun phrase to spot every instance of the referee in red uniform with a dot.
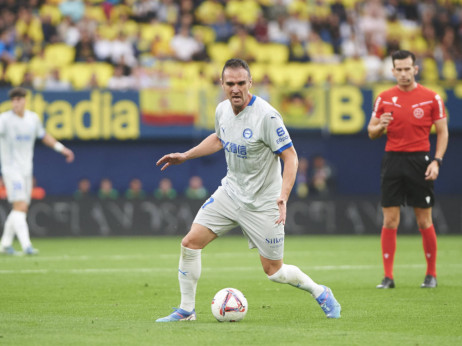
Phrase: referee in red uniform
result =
(406, 114)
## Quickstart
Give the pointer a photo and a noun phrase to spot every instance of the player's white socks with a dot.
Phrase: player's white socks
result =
(8, 232)
(189, 272)
(292, 275)
(21, 228)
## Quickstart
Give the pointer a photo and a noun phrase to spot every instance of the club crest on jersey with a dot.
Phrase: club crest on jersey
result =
(247, 134)
(394, 99)
(418, 113)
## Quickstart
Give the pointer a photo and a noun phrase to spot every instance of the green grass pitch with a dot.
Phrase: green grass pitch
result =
(109, 291)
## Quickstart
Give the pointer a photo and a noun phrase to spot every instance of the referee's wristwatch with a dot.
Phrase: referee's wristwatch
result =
(439, 161)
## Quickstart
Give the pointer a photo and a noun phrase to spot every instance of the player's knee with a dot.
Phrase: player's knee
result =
(280, 276)
(391, 223)
(20, 206)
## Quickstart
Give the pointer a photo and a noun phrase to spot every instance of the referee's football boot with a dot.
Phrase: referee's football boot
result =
(8, 250)
(429, 282)
(386, 283)
(329, 304)
(179, 315)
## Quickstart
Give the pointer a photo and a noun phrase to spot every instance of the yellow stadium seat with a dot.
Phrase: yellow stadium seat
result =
(104, 72)
(39, 66)
(206, 32)
(277, 74)
(96, 13)
(258, 71)
(15, 73)
(52, 11)
(338, 74)
(59, 54)
(429, 70)
(319, 73)
(273, 53)
(219, 52)
(130, 28)
(80, 75)
(297, 75)
(191, 70)
(149, 31)
(120, 10)
(65, 73)
(108, 31)
(449, 71)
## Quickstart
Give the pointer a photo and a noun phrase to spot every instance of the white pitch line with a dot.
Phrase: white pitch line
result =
(222, 269)
(173, 270)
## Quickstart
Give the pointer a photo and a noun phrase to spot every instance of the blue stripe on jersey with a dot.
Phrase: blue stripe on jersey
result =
(283, 148)
(252, 100)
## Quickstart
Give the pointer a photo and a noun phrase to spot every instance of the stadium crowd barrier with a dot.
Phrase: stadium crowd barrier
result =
(55, 217)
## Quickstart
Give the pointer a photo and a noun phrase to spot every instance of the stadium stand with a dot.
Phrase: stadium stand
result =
(39, 35)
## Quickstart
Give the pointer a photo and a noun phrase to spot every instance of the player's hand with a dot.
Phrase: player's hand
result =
(432, 171)
(171, 159)
(386, 119)
(282, 205)
(68, 154)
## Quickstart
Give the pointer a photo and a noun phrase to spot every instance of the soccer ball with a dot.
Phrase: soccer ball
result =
(229, 305)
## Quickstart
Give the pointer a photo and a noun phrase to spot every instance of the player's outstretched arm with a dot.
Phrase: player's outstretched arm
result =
(49, 141)
(290, 158)
(208, 146)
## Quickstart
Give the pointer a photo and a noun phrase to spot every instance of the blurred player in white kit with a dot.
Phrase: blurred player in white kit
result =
(19, 128)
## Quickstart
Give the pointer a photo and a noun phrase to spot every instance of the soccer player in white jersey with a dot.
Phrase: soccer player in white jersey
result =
(19, 128)
(253, 194)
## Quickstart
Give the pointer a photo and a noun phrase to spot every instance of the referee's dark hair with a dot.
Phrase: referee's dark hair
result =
(17, 92)
(402, 54)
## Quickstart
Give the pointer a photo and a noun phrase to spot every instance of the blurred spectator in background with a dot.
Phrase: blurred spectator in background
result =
(140, 31)
(183, 45)
(122, 51)
(301, 180)
(84, 51)
(243, 45)
(74, 9)
(7, 47)
(119, 81)
(196, 189)
(321, 176)
(68, 32)
(165, 190)
(50, 33)
(53, 82)
(29, 81)
(83, 189)
(4, 82)
(26, 48)
(106, 191)
(277, 31)
(135, 190)
(297, 50)
(2, 189)
(222, 27)
(37, 191)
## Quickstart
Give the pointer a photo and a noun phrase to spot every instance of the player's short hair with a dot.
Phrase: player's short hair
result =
(236, 63)
(17, 92)
(402, 54)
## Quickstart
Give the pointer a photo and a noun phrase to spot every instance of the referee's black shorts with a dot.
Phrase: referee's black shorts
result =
(403, 180)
